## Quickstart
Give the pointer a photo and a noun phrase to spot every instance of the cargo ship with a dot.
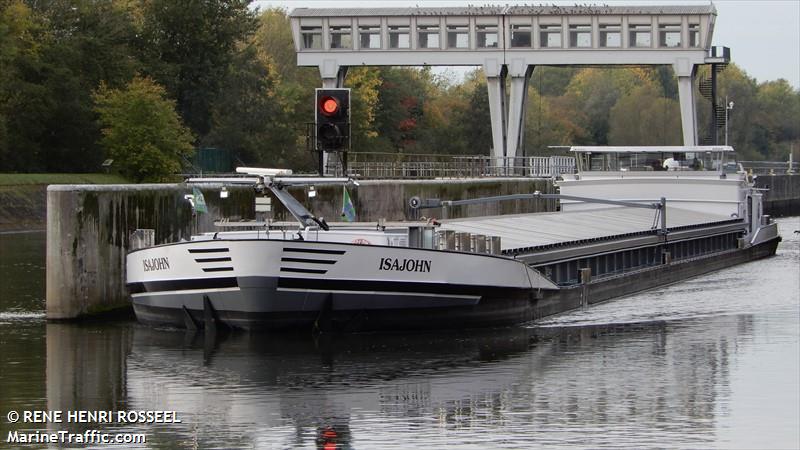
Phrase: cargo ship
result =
(631, 219)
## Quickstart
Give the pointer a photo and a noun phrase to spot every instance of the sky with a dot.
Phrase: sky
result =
(764, 36)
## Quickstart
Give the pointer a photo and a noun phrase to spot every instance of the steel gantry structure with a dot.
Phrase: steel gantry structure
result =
(509, 42)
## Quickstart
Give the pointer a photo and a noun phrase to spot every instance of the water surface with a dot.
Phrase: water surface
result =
(710, 362)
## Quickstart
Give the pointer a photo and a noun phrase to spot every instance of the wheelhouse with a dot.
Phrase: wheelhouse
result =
(720, 159)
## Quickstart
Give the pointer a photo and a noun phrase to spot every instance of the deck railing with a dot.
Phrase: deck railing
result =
(425, 166)
(770, 167)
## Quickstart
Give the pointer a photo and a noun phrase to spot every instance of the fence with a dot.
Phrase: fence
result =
(770, 167)
(424, 166)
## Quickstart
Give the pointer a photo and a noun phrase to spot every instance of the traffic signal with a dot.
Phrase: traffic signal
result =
(333, 119)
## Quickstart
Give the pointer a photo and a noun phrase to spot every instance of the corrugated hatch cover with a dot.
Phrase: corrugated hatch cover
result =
(524, 232)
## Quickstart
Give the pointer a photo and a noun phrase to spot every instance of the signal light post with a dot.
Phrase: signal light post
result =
(332, 124)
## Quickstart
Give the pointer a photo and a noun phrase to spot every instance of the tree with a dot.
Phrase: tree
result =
(187, 46)
(249, 118)
(443, 129)
(293, 89)
(551, 121)
(88, 43)
(401, 99)
(474, 120)
(364, 82)
(17, 48)
(274, 37)
(749, 141)
(779, 117)
(63, 50)
(142, 131)
(552, 81)
(642, 117)
(594, 92)
(665, 76)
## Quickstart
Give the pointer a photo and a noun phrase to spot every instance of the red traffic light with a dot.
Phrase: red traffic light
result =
(329, 106)
(332, 119)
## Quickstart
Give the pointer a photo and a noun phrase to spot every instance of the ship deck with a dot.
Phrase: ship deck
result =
(523, 233)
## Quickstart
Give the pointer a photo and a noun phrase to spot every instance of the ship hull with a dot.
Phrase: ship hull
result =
(601, 290)
(267, 290)
(284, 285)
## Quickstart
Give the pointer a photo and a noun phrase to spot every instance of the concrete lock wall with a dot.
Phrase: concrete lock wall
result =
(388, 199)
(87, 237)
(88, 226)
(783, 196)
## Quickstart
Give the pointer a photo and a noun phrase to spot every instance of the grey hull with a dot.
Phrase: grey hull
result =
(265, 304)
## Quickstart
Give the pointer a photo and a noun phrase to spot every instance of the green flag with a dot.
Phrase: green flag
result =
(348, 211)
(199, 201)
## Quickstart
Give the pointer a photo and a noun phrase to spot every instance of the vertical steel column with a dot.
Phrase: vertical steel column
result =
(518, 99)
(496, 86)
(685, 71)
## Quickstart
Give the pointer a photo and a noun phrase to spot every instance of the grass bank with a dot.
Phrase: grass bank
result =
(23, 196)
(26, 179)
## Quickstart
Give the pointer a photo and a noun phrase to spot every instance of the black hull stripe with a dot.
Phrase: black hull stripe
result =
(217, 269)
(208, 250)
(298, 270)
(181, 285)
(309, 261)
(314, 250)
(208, 260)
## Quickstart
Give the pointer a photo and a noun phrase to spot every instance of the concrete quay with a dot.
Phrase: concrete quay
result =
(782, 197)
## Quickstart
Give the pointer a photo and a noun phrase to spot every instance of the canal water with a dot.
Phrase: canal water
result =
(713, 362)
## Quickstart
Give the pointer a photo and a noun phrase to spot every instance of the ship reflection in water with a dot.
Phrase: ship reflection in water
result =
(636, 383)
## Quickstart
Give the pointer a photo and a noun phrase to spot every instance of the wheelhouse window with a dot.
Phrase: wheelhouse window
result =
(694, 35)
(656, 161)
(369, 36)
(520, 35)
(550, 36)
(610, 35)
(399, 36)
(669, 35)
(580, 36)
(620, 162)
(341, 37)
(640, 35)
(312, 37)
(487, 36)
(428, 36)
(457, 36)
